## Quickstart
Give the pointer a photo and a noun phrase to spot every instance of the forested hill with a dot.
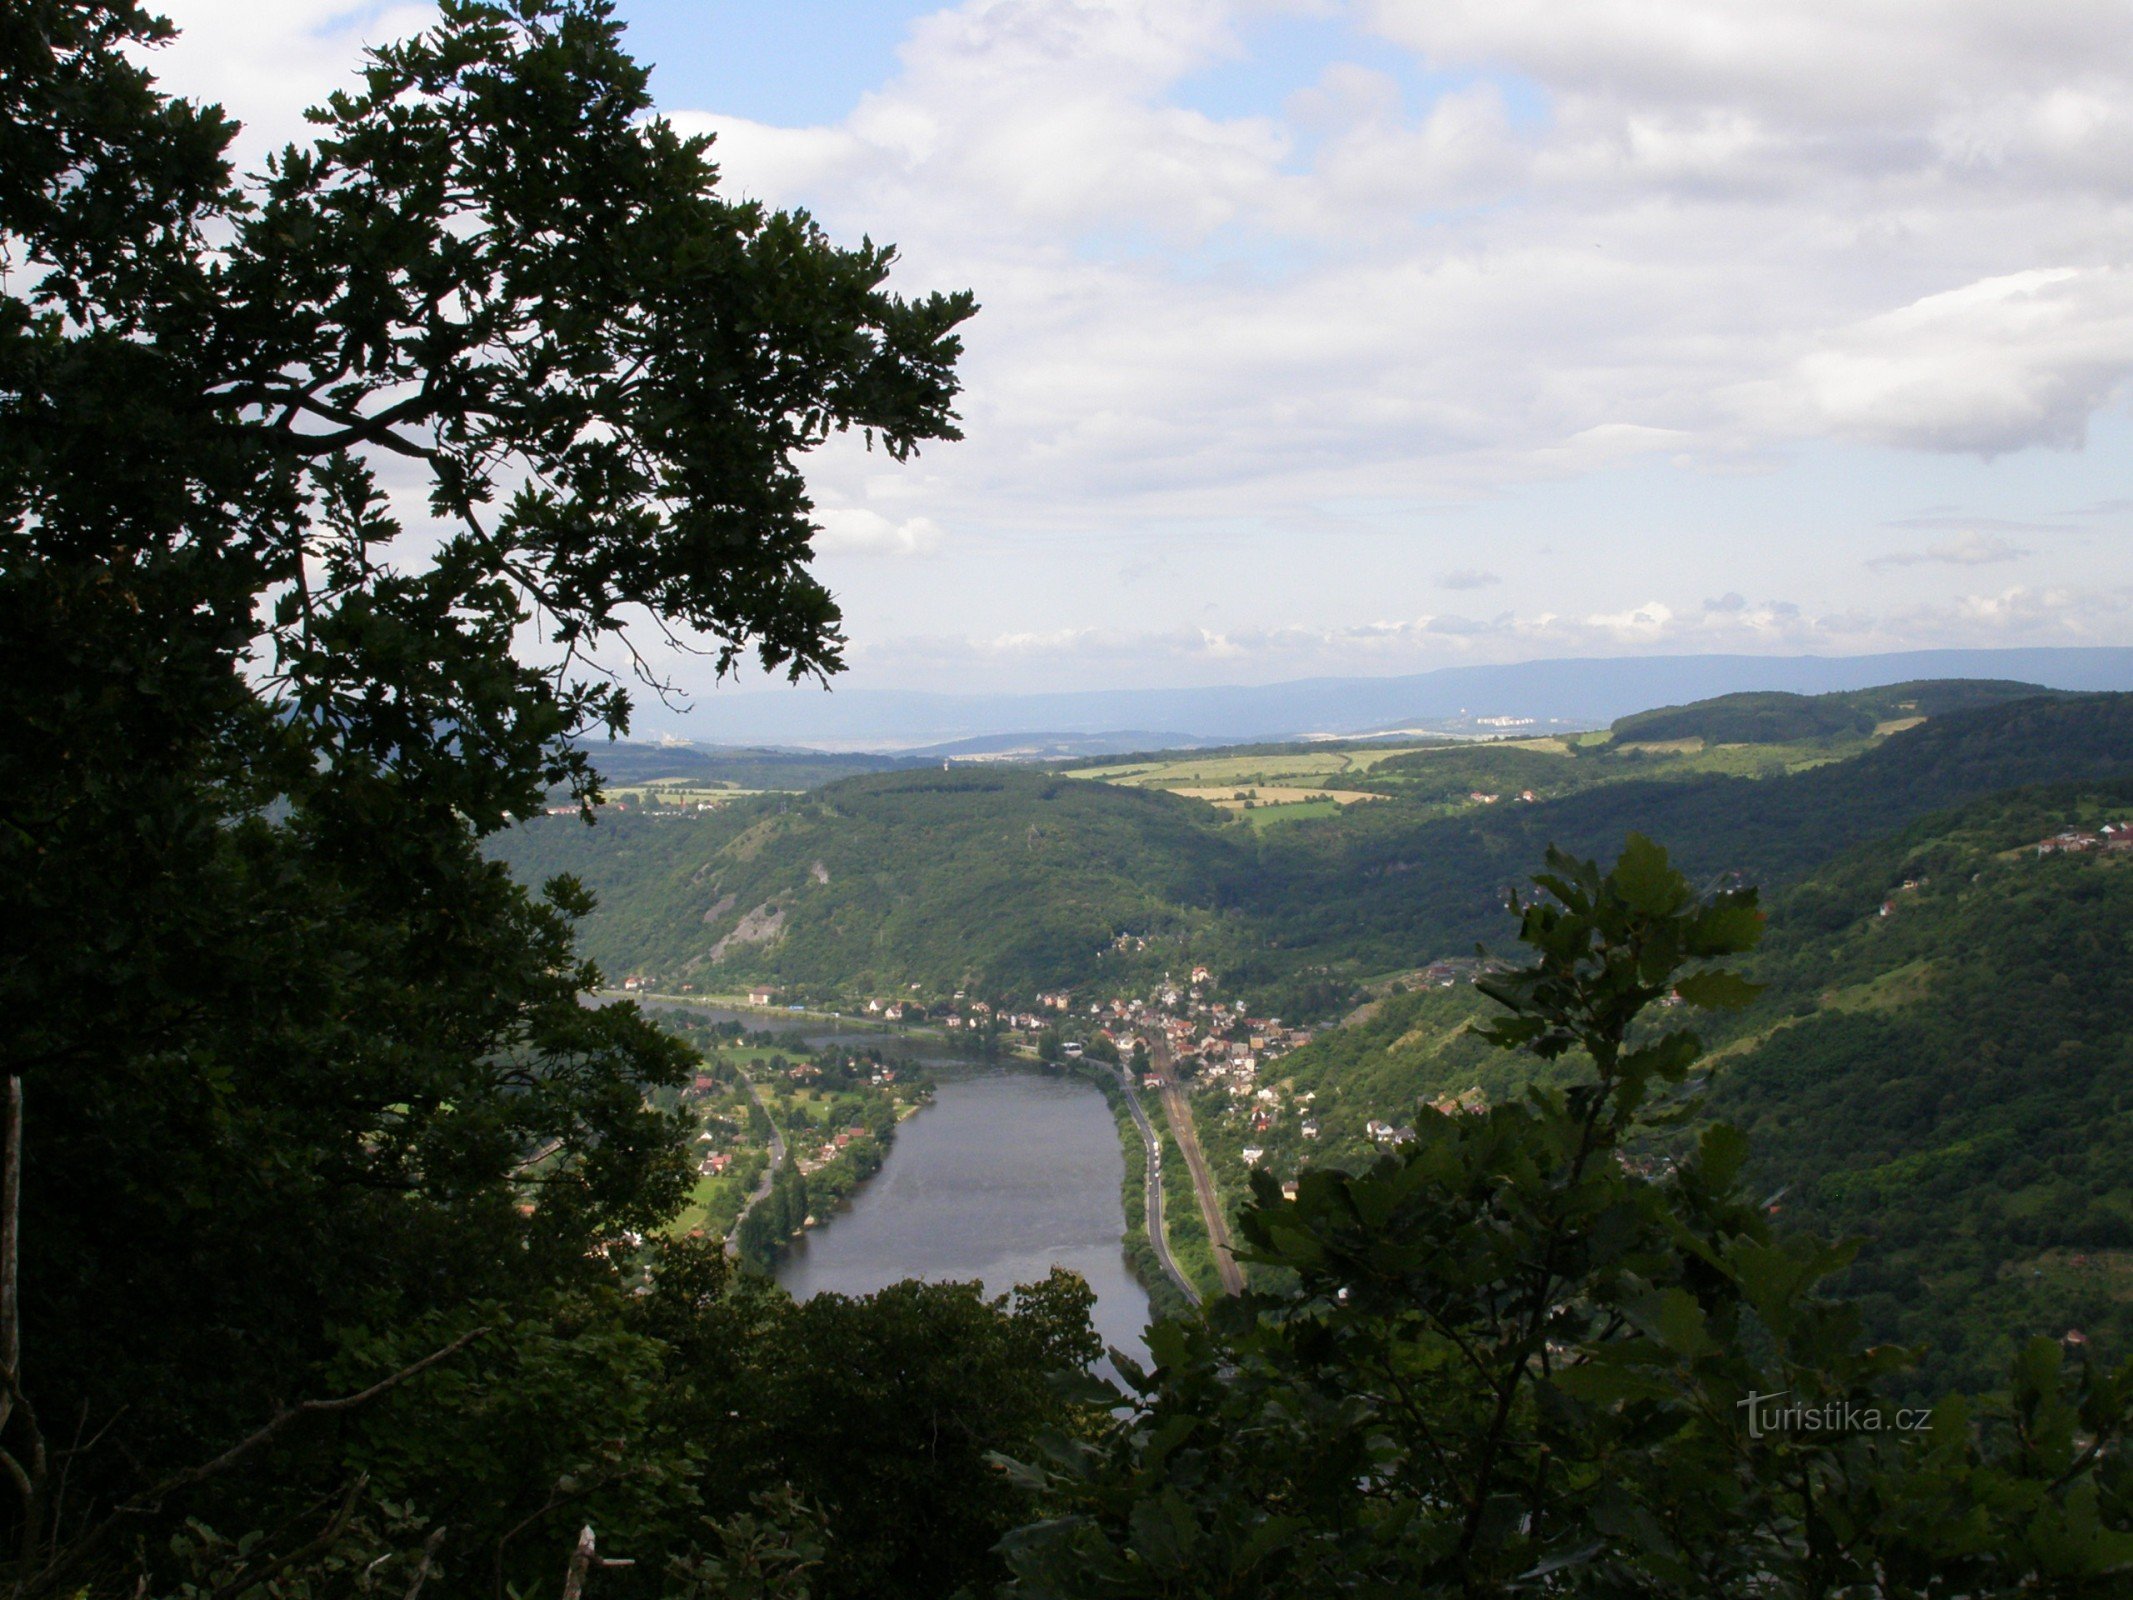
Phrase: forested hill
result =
(1774, 717)
(1941, 1066)
(999, 878)
(1009, 880)
(1387, 882)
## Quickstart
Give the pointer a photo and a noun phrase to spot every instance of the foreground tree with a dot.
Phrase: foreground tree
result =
(308, 1093)
(1546, 1349)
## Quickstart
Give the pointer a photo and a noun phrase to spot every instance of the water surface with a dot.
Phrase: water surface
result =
(1005, 1176)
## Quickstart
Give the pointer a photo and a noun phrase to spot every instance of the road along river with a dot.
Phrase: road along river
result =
(1005, 1176)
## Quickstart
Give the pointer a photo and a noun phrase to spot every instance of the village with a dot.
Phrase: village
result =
(2112, 837)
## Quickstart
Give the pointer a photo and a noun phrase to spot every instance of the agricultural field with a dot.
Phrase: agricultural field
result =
(1446, 777)
(1296, 785)
(685, 794)
(1309, 769)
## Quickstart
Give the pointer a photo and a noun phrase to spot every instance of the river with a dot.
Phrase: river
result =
(1005, 1176)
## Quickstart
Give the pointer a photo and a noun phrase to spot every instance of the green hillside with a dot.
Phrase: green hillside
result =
(1003, 880)
(1011, 880)
(1951, 1077)
(1774, 717)
(1388, 887)
(1950, 1080)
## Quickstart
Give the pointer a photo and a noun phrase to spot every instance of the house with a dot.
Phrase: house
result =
(1454, 1105)
(1253, 1155)
(1309, 1130)
(1481, 799)
(2068, 841)
(761, 995)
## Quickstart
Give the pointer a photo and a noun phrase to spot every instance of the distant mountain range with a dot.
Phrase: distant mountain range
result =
(1536, 696)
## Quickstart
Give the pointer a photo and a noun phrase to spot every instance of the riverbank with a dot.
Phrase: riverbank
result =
(1011, 1173)
(779, 1207)
(1170, 1290)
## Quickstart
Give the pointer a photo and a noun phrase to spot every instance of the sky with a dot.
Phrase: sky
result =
(1328, 337)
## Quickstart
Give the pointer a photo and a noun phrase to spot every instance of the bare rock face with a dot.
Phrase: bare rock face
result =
(760, 926)
(719, 907)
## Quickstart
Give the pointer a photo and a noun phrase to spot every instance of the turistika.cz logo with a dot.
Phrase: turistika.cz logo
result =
(1766, 1415)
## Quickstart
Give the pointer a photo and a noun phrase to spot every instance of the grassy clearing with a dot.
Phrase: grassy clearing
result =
(1268, 816)
(1272, 795)
(1901, 986)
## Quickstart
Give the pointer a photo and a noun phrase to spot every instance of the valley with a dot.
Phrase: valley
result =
(1279, 1000)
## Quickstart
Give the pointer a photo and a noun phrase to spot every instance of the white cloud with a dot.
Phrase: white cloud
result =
(2007, 362)
(269, 63)
(856, 530)
(1970, 549)
(1814, 62)
(1595, 243)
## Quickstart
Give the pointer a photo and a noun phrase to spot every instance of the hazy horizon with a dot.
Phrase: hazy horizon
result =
(1551, 694)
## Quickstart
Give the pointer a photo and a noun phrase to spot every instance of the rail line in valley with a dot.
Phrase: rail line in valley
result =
(1152, 1182)
(1203, 1182)
(777, 1160)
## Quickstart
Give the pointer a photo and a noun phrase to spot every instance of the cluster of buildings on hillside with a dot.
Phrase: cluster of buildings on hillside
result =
(2113, 836)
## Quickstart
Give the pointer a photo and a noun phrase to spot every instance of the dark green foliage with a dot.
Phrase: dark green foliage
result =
(310, 1096)
(1950, 1080)
(880, 1411)
(1525, 1355)
(1946, 1082)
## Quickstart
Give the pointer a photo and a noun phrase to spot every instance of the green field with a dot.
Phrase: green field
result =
(1317, 769)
